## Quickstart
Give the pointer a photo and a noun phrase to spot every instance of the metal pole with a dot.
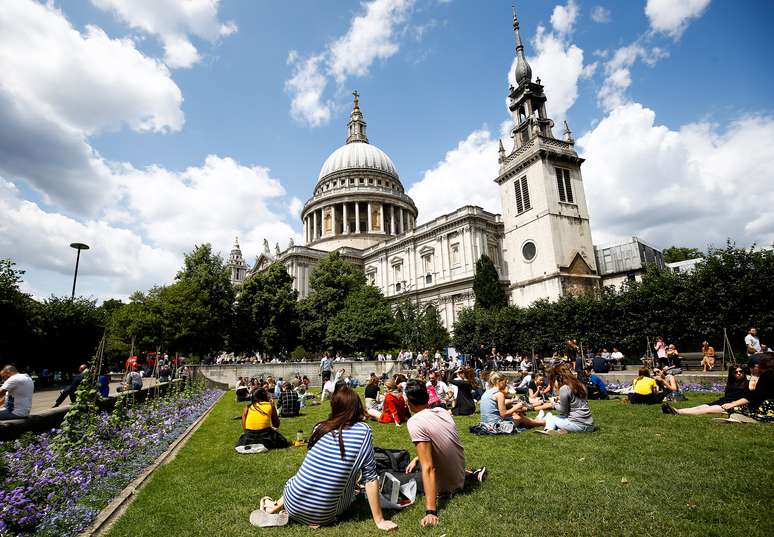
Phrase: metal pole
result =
(75, 277)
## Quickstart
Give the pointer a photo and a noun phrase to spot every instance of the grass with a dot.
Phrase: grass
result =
(641, 473)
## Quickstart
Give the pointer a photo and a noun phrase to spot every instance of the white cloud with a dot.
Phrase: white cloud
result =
(672, 17)
(118, 262)
(210, 203)
(371, 36)
(612, 93)
(464, 177)
(306, 87)
(600, 14)
(563, 17)
(173, 21)
(294, 207)
(688, 186)
(58, 87)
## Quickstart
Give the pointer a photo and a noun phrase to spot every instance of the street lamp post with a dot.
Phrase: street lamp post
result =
(78, 246)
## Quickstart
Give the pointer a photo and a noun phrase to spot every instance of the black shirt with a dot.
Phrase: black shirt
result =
(764, 390)
(371, 391)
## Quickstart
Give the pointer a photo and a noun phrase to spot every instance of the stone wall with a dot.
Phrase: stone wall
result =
(227, 375)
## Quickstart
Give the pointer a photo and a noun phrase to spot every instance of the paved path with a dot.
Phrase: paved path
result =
(45, 399)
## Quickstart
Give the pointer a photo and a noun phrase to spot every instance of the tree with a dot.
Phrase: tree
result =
(407, 325)
(330, 284)
(364, 324)
(71, 331)
(19, 317)
(486, 285)
(433, 333)
(266, 313)
(198, 308)
(680, 253)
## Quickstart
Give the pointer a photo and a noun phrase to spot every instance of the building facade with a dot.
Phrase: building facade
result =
(541, 244)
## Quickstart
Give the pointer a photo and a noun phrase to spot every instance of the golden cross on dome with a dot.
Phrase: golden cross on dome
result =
(357, 95)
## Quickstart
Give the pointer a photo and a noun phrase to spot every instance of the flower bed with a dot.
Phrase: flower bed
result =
(47, 491)
(685, 387)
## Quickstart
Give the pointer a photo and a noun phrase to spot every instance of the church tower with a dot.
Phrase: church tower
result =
(547, 245)
(236, 264)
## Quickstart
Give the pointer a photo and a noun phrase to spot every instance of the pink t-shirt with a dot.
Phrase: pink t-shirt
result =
(436, 425)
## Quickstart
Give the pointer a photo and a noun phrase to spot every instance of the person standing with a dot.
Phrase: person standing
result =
(72, 388)
(661, 354)
(15, 394)
(326, 366)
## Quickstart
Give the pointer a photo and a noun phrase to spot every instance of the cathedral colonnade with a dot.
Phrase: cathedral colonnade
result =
(357, 217)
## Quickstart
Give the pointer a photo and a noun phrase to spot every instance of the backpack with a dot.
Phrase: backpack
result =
(395, 462)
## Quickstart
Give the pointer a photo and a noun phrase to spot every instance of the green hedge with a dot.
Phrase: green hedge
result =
(732, 288)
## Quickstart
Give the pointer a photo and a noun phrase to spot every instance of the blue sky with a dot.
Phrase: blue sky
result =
(143, 128)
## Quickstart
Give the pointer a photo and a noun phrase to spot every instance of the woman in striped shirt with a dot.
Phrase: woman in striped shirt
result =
(340, 452)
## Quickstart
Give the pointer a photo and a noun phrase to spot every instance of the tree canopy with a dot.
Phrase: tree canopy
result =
(486, 285)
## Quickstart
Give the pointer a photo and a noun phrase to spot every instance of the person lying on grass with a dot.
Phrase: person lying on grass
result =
(439, 451)
(573, 413)
(756, 404)
(260, 422)
(340, 451)
(496, 407)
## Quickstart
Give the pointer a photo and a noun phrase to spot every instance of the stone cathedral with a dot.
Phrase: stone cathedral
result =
(541, 243)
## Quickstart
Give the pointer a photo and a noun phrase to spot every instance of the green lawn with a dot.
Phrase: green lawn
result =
(641, 473)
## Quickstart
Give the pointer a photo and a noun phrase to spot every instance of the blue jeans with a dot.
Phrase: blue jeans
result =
(558, 422)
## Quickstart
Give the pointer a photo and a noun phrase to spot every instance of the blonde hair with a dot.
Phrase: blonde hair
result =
(495, 377)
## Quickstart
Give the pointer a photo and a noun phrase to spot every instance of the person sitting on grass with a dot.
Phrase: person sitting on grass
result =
(755, 405)
(645, 389)
(573, 412)
(394, 409)
(439, 451)
(289, 403)
(260, 421)
(539, 392)
(340, 452)
(667, 382)
(596, 387)
(497, 408)
(373, 407)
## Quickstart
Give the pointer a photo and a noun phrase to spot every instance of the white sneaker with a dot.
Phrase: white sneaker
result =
(541, 414)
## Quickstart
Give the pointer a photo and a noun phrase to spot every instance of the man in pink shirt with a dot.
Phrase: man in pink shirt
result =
(439, 451)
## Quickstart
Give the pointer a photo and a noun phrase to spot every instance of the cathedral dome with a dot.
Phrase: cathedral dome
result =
(358, 155)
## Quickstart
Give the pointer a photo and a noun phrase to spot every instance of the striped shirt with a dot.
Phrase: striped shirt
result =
(323, 487)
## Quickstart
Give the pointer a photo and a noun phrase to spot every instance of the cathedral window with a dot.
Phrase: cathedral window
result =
(522, 195)
(564, 185)
(528, 250)
(427, 261)
(454, 254)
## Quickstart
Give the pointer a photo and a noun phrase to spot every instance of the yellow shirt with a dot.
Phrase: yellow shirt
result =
(644, 385)
(257, 420)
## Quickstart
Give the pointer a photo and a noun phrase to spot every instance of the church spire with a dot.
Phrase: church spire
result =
(523, 70)
(356, 128)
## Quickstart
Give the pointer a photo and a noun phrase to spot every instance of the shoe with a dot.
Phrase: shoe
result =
(541, 414)
(481, 474)
(666, 408)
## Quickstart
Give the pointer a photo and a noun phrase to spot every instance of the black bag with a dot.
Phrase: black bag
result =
(395, 461)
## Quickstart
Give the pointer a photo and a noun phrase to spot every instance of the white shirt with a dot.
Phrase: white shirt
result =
(18, 400)
(617, 355)
(525, 381)
(752, 341)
